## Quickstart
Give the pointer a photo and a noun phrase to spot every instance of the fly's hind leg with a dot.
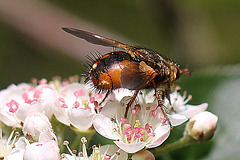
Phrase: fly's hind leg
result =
(160, 104)
(130, 102)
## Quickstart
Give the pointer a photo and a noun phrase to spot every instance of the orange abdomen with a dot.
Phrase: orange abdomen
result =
(106, 71)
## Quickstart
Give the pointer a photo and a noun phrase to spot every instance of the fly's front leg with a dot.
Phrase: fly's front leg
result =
(130, 102)
(160, 104)
(106, 95)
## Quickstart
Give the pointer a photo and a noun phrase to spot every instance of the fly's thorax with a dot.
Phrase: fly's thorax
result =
(168, 70)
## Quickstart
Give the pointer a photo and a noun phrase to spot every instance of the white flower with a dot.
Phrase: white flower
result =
(10, 149)
(17, 101)
(34, 124)
(179, 109)
(201, 127)
(46, 149)
(107, 152)
(77, 100)
(10, 99)
(122, 92)
(145, 126)
(143, 97)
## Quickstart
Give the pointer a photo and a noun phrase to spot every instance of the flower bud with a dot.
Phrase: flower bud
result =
(201, 127)
(143, 155)
(34, 124)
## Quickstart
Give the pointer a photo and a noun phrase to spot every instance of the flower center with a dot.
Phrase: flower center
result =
(138, 127)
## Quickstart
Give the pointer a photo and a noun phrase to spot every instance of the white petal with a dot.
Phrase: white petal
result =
(194, 109)
(150, 98)
(39, 151)
(120, 93)
(80, 118)
(8, 118)
(161, 134)
(48, 100)
(111, 108)
(60, 114)
(177, 119)
(47, 135)
(18, 151)
(26, 109)
(21, 143)
(34, 124)
(105, 127)
(130, 147)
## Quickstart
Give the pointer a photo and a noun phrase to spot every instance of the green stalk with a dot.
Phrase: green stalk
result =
(184, 141)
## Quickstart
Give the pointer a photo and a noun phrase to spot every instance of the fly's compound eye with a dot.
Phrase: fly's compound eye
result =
(177, 72)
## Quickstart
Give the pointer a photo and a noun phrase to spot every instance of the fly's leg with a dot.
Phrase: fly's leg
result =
(160, 104)
(106, 95)
(130, 102)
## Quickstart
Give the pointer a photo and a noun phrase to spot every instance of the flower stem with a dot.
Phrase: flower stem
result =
(184, 141)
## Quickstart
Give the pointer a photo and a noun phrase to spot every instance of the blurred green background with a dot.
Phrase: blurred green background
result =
(201, 35)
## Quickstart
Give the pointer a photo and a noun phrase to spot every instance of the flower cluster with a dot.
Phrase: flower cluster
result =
(35, 107)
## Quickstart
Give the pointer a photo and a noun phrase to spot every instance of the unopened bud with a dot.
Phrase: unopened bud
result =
(201, 127)
(143, 155)
(34, 124)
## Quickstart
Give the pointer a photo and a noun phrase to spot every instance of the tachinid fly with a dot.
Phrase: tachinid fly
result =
(133, 68)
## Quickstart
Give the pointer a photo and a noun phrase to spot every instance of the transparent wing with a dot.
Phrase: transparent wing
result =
(132, 77)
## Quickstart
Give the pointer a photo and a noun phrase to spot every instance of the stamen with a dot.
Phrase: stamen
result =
(85, 102)
(74, 151)
(79, 93)
(98, 95)
(148, 128)
(138, 106)
(95, 104)
(123, 120)
(134, 111)
(13, 106)
(188, 99)
(92, 99)
(107, 156)
(127, 126)
(61, 100)
(64, 106)
(76, 104)
(184, 94)
(153, 113)
(26, 99)
(84, 142)
(37, 94)
(164, 119)
(137, 124)
(66, 143)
